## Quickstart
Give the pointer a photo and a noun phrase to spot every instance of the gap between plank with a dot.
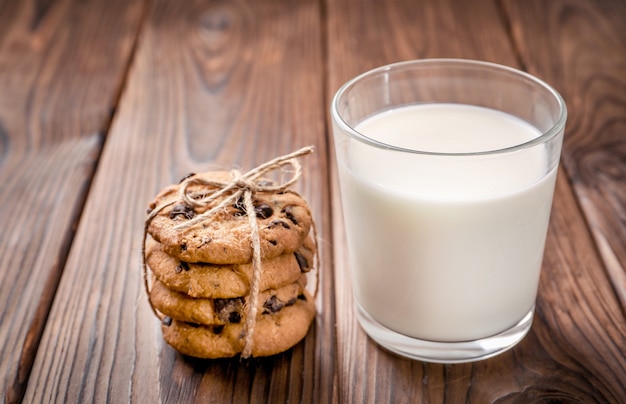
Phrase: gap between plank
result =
(16, 390)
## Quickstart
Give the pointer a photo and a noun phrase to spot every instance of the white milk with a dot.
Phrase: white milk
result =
(446, 248)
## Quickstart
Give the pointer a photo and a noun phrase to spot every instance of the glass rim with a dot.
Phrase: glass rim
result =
(545, 136)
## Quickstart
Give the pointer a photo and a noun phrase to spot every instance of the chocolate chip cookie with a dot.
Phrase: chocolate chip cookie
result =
(182, 307)
(284, 221)
(226, 281)
(274, 333)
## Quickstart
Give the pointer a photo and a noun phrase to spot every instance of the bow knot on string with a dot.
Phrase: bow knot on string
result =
(199, 192)
(241, 185)
(245, 185)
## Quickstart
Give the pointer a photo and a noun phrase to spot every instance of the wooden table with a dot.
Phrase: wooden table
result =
(104, 102)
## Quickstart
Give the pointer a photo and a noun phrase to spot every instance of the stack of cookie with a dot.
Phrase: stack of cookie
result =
(200, 276)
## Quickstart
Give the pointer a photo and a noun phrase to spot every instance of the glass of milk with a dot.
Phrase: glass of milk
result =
(447, 171)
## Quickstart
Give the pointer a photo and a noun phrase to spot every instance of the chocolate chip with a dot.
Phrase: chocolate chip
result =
(181, 209)
(234, 317)
(273, 242)
(291, 301)
(263, 211)
(302, 297)
(167, 321)
(302, 261)
(240, 208)
(289, 214)
(217, 329)
(183, 266)
(186, 176)
(228, 310)
(272, 305)
(277, 222)
(183, 247)
(220, 304)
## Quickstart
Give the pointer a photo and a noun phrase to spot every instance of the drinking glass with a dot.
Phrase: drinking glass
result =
(447, 170)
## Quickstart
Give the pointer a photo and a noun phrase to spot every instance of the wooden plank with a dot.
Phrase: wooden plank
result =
(213, 83)
(585, 59)
(61, 68)
(363, 35)
(557, 359)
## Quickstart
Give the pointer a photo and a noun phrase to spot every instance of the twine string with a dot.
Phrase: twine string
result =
(241, 187)
(256, 276)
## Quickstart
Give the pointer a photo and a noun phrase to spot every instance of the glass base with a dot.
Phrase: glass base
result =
(444, 352)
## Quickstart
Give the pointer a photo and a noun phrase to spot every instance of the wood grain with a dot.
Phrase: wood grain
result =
(104, 102)
(585, 59)
(363, 35)
(575, 350)
(61, 67)
(213, 83)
